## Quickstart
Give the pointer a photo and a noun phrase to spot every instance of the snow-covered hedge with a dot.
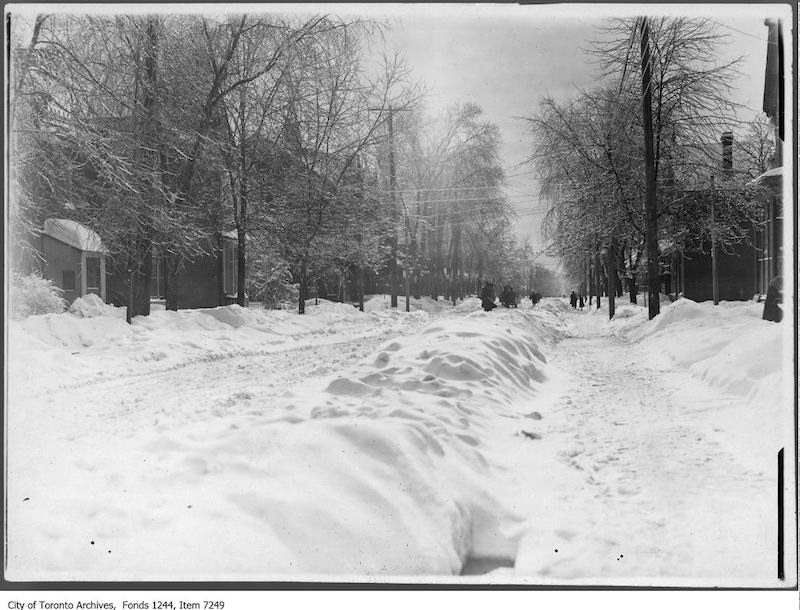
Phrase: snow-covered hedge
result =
(33, 295)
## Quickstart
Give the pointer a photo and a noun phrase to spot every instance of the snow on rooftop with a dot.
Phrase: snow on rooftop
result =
(74, 234)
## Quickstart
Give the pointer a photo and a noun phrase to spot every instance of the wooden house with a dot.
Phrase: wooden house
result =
(73, 258)
(690, 271)
(208, 280)
(768, 234)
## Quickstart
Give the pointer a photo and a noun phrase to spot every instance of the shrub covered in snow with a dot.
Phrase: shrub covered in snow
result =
(270, 282)
(33, 295)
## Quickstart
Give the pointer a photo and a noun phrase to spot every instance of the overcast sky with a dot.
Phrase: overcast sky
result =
(506, 58)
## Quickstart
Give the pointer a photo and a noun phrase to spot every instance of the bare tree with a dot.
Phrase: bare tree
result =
(333, 117)
(588, 151)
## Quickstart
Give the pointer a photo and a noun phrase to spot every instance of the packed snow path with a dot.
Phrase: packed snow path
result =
(661, 491)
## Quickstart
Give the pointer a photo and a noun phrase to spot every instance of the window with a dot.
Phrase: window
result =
(230, 263)
(68, 280)
(93, 274)
(157, 277)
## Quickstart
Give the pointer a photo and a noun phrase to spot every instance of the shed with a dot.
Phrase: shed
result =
(74, 258)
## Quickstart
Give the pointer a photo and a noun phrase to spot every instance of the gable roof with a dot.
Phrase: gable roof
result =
(74, 234)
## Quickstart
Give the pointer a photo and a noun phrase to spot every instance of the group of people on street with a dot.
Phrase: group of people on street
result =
(508, 298)
(576, 300)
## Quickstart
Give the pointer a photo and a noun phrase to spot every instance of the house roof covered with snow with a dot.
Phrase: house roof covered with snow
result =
(74, 234)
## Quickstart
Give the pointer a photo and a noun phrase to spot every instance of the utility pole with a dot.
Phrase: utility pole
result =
(651, 217)
(714, 276)
(393, 280)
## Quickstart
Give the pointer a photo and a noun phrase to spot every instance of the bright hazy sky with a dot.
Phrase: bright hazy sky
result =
(506, 58)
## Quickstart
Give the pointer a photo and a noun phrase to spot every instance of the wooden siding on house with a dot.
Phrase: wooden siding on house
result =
(735, 273)
(200, 281)
(60, 260)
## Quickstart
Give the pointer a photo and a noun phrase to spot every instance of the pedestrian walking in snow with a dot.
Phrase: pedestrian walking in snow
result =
(573, 299)
(508, 298)
(580, 301)
(772, 310)
(488, 297)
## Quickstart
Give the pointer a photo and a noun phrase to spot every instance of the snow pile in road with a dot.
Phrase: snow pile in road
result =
(554, 305)
(94, 340)
(385, 471)
(381, 469)
(468, 305)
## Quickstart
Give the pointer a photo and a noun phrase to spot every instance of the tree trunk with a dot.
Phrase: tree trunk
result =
(611, 272)
(301, 307)
(131, 305)
(360, 288)
(598, 278)
(170, 281)
(651, 218)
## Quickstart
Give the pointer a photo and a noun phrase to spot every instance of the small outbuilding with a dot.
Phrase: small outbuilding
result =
(73, 258)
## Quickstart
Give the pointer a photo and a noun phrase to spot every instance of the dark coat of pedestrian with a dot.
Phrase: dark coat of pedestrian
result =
(573, 299)
(508, 298)
(772, 310)
(488, 297)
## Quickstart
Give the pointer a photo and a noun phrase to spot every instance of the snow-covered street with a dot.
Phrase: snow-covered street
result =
(541, 445)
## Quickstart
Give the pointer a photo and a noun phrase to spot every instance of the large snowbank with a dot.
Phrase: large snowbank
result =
(93, 340)
(381, 469)
(450, 444)
(731, 350)
(728, 346)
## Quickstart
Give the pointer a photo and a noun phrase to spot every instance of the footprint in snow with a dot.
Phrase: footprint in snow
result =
(530, 435)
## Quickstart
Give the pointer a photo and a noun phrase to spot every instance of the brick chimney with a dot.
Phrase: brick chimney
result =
(727, 153)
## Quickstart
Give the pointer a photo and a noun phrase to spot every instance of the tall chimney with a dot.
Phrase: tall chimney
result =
(727, 153)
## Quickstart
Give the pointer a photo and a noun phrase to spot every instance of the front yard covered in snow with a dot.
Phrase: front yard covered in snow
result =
(535, 445)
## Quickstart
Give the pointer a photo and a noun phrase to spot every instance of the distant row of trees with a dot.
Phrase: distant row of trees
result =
(457, 227)
(588, 152)
(160, 131)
